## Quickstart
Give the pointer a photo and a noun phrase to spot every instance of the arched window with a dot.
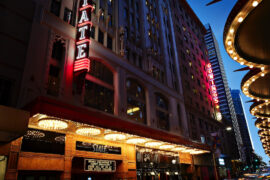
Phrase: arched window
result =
(136, 108)
(162, 112)
(99, 92)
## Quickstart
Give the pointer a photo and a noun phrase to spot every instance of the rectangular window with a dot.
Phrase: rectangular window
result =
(53, 81)
(92, 32)
(109, 42)
(110, 23)
(67, 15)
(163, 120)
(101, 4)
(56, 7)
(131, 18)
(140, 62)
(100, 36)
(138, 25)
(125, 14)
(99, 97)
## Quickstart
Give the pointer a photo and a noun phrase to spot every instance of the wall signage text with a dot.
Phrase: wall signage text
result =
(213, 88)
(99, 165)
(82, 61)
(100, 148)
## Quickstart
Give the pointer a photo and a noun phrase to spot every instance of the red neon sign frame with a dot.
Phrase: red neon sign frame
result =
(82, 45)
(213, 88)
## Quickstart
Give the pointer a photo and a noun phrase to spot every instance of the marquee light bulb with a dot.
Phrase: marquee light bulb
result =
(240, 19)
(255, 3)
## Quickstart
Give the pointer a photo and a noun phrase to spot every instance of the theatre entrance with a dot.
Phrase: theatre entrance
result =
(93, 169)
(92, 176)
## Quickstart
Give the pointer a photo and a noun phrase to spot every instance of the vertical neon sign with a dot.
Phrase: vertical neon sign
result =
(82, 61)
(213, 88)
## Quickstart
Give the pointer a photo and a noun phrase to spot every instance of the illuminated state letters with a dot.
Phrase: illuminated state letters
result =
(213, 88)
(82, 61)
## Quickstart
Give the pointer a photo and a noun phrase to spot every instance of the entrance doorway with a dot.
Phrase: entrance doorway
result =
(91, 176)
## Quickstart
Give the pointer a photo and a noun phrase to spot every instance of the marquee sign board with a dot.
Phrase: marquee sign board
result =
(99, 148)
(213, 88)
(82, 61)
(99, 165)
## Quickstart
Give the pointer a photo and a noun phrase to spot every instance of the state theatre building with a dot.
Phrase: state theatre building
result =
(102, 93)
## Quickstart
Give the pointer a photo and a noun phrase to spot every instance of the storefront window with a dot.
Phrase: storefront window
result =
(162, 112)
(157, 164)
(99, 91)
(136, 109)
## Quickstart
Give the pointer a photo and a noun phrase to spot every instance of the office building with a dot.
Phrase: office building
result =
(234, 144)
(243, 126)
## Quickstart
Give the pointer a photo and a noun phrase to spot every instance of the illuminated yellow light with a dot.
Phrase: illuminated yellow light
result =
(240, 19)
(153, 144)
(188, 151)
(53, 124)
(132, 110)
(197, 152)
(229, 43)
(136, 141)
(262, 68)
(253, 80)
(88, 131)
(235, 58)
(251, 66)
(231, 51)
(255, 3)
(262, 74)
(115, 137)
(178, 149)
(36, 115)
(229, 128)
(166, 146)
(242, 63)
(231, 30)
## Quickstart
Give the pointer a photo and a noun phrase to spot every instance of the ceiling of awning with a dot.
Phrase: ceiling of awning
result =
(253, 37)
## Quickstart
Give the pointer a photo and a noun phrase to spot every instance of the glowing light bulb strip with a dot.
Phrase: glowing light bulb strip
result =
(136, 141)
(88, 131)
(230, 33)
(52, 124)
(247, 83)
(255, 109)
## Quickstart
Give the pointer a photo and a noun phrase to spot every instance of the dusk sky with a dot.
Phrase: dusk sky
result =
(216, 15)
